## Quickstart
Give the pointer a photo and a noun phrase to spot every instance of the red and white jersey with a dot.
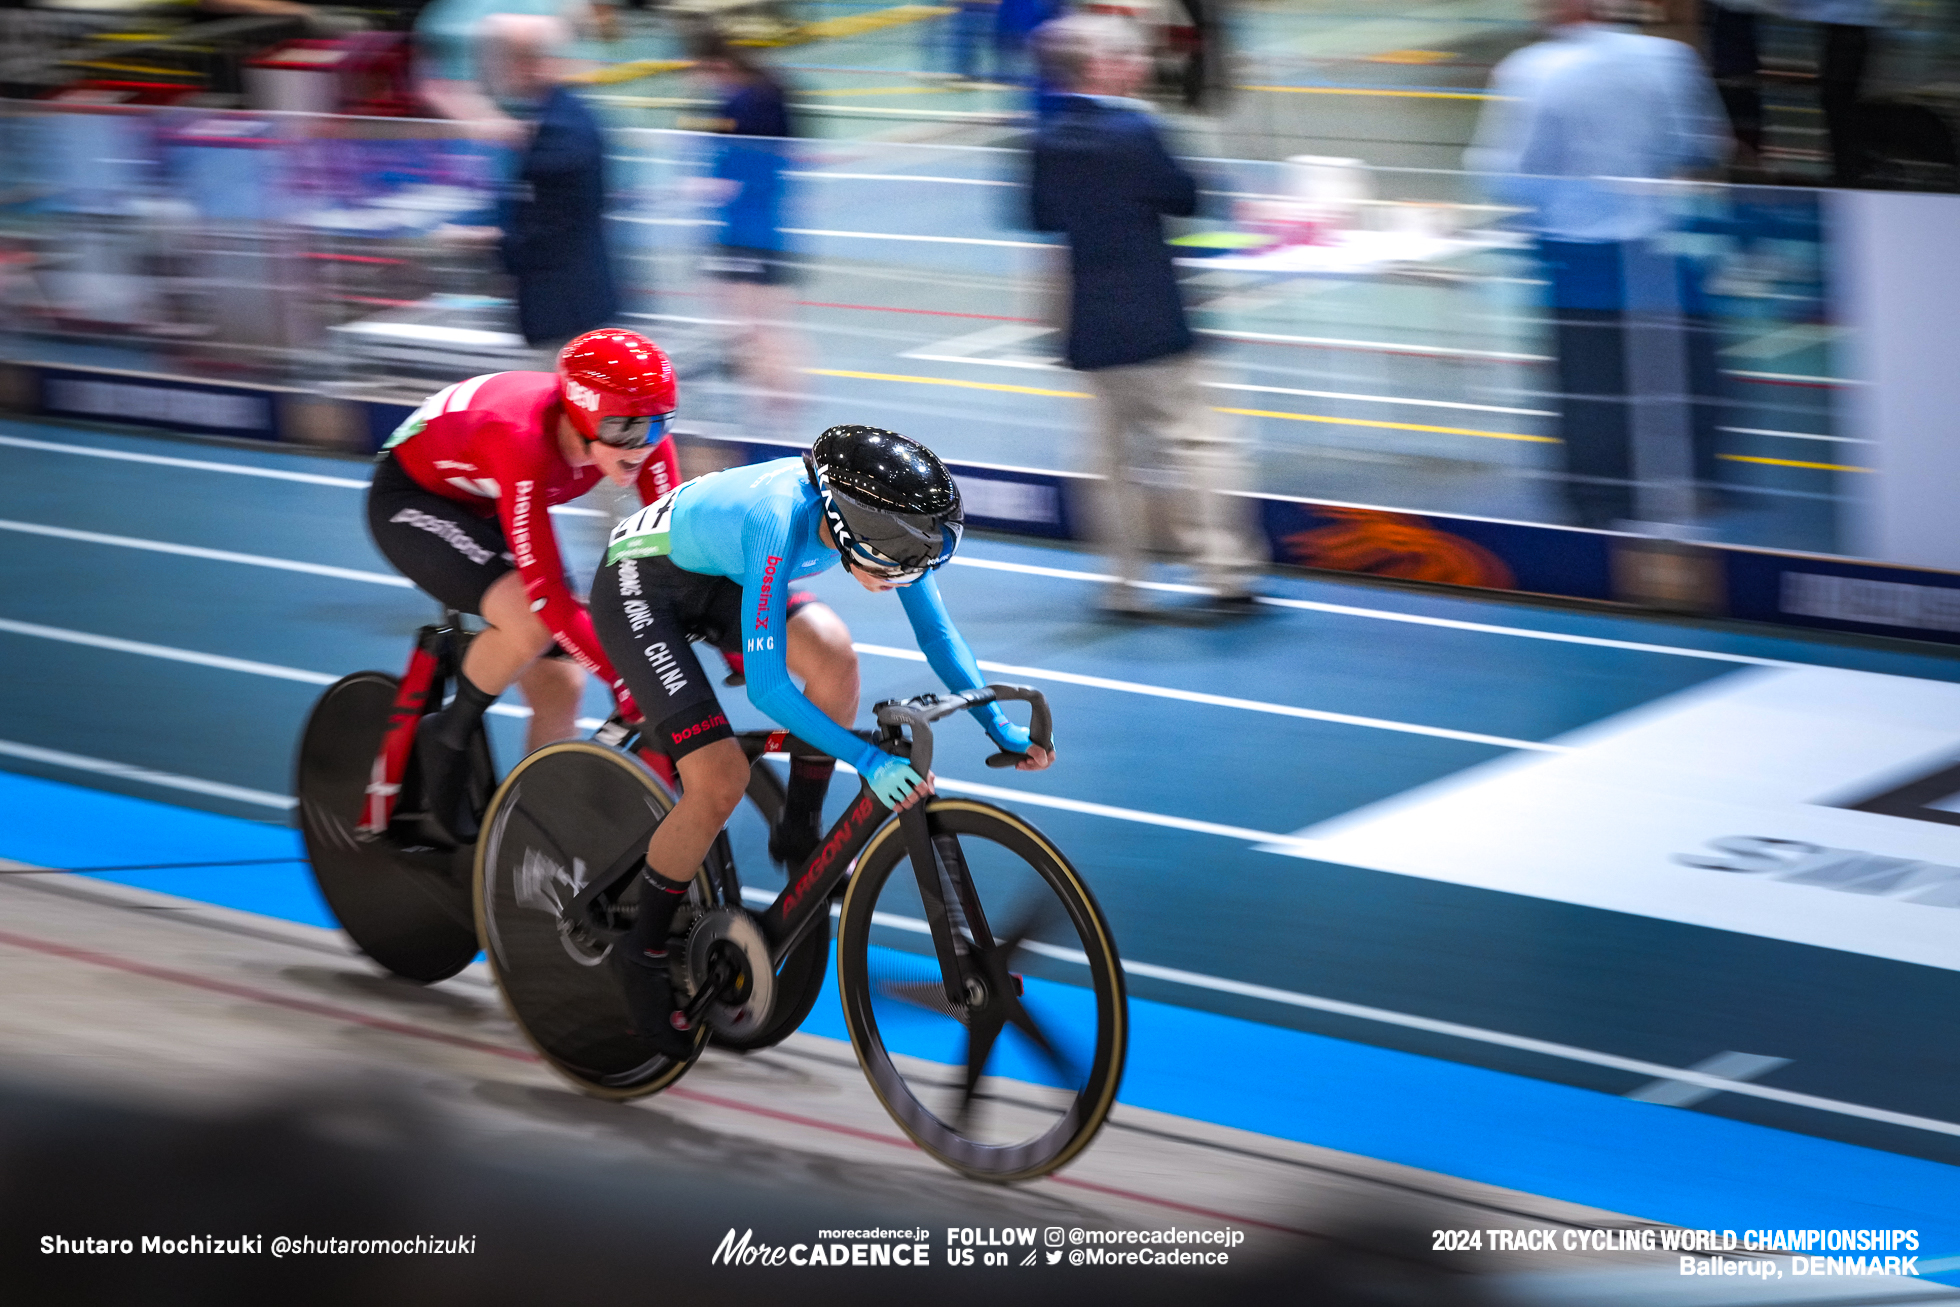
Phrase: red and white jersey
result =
(492, 443)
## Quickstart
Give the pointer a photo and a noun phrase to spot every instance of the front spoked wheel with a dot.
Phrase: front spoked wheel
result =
(567, 815)
(1008, 1072)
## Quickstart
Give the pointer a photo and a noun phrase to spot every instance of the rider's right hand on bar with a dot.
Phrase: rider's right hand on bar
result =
(898, 784)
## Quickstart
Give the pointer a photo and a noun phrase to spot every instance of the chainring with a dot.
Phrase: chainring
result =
(729, 937)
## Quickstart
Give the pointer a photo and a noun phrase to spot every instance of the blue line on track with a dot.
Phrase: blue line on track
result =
(48, 824)
(1639, 1159)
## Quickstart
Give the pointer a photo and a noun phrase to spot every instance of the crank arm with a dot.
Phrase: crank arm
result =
(579, 911)
(706, 997)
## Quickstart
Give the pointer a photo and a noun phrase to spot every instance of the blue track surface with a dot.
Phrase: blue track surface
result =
(125, 652)
(1596, 1149)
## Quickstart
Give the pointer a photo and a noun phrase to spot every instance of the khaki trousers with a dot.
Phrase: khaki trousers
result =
(1155, 429)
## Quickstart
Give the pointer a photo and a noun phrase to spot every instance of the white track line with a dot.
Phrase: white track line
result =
(77, 761)
(897, 177)
(1384, 399)
(1384, 615)
(240, 469)
(1218, 984)
(128, 772)
(166, 652)
(224, 663)
(216, 555)
(1794, 377)
(1025, 569)
(932, 240)
(997, 565)
(201, 465)
(1452, 1029)
(220, 661)
(1005, 795)
(1377, 346)
(1793, 435)
(1224, 701)
(1567, 1052)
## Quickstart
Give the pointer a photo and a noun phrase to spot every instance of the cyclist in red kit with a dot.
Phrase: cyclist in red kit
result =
(459, 504)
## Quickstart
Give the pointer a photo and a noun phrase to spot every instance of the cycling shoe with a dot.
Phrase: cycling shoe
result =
(649, 992)
(445, 783)
(794, 839)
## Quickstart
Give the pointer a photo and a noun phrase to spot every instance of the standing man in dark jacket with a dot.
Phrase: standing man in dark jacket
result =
(555, 228)
(1103, 177)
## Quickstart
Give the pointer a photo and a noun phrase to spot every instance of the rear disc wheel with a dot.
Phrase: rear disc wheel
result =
(567, 814)
(408, 908)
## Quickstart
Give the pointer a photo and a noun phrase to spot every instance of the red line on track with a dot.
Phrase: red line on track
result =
(333, 1013)
(261, 996)
(1180, 1207)
(935, 313)
(791, 1117)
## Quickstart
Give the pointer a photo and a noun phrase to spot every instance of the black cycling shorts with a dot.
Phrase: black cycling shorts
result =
(435, 542)
(647, 611)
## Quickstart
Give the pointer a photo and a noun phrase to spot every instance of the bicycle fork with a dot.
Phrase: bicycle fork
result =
(952, 908)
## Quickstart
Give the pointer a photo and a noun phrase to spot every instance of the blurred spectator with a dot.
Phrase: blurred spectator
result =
(1844, 40)
(970, 31)
(1199, 46)
(449, 78)
(1735, 59)
(1015, 22)
(1573, 124)
(746, 180)
(1103, 177)
(554, 240)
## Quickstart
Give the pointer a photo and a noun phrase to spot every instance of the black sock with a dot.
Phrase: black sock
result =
(809, 780)
(660, 899)
(455, 724)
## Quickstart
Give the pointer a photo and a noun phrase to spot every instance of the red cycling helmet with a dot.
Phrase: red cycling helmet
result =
(610, 378)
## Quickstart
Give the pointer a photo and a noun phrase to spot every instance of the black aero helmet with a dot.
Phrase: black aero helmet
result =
(892, 507)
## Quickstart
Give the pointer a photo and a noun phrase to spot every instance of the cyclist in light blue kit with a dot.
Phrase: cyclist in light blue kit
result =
(715, 560)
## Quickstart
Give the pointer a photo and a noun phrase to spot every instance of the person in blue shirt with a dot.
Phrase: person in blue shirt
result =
(747, 180)
(1584, 130)
(716, 560)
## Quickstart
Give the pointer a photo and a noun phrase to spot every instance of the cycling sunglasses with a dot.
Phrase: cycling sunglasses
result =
(635, 432)
(892, 575)
(866, 558)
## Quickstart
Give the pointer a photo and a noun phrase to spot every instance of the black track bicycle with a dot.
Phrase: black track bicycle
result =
(980, 982)
(397, 884)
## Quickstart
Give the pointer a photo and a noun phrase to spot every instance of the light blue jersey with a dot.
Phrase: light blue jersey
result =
(1581, 125)
(757, 525)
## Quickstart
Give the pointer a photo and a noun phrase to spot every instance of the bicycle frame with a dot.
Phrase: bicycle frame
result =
(785, 920)
(794, 911)
(435, 660)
